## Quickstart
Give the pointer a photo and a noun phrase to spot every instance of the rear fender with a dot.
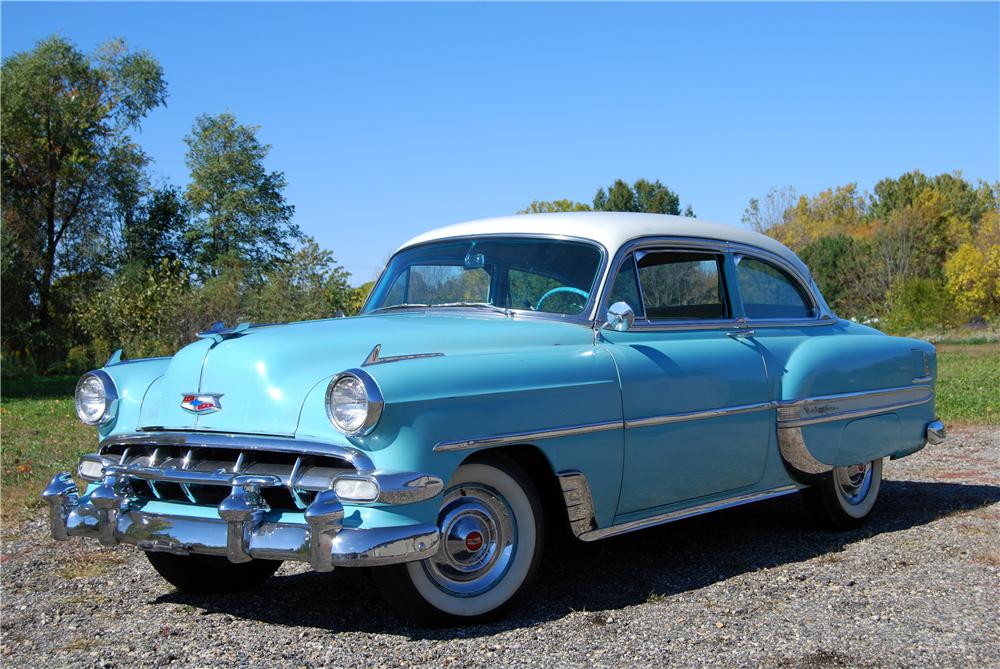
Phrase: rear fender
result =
(851, 399)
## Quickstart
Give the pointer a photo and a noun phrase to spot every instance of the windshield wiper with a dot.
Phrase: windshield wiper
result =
(480, 305)
(404, 305)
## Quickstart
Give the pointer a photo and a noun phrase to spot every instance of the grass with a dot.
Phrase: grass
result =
(96, 563)
(41, 434)
(968, 389)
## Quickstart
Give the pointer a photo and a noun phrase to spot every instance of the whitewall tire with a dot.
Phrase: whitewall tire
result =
(846, 499)
(491, 526)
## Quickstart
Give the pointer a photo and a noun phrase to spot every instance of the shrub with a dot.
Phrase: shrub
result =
(918, 304)
(17, 365)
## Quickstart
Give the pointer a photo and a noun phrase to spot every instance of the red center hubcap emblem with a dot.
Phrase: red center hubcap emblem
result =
(474, 541)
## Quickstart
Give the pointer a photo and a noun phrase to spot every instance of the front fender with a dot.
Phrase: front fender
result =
(436, 401)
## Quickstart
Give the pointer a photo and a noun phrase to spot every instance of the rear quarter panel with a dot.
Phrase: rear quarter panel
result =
(849, 358)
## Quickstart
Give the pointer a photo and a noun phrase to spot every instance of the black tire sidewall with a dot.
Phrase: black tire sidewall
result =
(206, 574)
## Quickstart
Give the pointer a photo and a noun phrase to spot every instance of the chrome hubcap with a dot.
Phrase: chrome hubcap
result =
(479, 538)
(853, 481)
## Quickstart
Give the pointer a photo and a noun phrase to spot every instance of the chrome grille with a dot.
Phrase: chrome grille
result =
(302, 475)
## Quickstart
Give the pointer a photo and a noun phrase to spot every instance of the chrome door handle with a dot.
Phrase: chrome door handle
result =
(746, 332)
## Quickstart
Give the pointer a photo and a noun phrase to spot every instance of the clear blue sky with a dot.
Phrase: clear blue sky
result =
(391, 119)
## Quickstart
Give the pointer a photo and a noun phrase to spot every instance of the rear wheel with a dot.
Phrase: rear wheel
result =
(846, 498)
(203, 574)
(491, 526)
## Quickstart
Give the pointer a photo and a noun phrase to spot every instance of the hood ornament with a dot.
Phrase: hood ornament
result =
(374, 359)
(201, 403)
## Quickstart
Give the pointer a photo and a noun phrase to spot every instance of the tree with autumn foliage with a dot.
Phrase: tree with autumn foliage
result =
(914, 244)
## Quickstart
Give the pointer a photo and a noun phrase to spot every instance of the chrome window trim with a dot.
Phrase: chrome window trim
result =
(824, 315)
(818, 305)
(586, 315)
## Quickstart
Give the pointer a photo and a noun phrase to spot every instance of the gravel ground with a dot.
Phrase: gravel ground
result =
(753, 586)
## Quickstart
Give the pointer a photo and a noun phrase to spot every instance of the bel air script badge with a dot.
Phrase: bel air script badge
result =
(201, 403)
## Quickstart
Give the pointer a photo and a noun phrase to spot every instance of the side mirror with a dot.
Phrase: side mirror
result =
(620, 317)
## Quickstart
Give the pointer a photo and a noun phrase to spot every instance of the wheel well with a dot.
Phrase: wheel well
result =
(537, 467)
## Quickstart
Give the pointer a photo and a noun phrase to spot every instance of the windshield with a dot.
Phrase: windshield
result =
(545, 275)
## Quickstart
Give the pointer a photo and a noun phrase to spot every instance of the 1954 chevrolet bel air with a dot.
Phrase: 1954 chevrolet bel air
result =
(605, 372)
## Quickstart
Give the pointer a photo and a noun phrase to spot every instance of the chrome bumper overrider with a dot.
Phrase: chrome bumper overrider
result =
(935, 432)
(241, 532)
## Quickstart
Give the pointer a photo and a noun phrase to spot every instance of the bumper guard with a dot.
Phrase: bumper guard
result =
(111, 514)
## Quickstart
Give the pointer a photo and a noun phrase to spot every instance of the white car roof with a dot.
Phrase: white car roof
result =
(612, 230)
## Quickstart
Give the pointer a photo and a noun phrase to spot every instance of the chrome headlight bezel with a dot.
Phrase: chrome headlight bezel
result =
(109, 391)
(373, 397)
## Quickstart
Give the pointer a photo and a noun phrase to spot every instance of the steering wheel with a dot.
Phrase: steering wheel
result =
(561, 289)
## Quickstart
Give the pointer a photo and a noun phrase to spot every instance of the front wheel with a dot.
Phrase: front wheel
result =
(491, 526)
(204, 574)
(846, 498)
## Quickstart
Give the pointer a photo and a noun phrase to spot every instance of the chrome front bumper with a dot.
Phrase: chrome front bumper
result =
(112, 515)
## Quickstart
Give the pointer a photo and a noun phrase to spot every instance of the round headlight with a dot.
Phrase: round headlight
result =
(95, 393)
(353, 402)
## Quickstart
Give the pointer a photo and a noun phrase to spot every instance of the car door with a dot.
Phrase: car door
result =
(694, 390)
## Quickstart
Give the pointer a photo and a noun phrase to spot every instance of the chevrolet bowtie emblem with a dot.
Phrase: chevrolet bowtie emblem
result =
(201, 402)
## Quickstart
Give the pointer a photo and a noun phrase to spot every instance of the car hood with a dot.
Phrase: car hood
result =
(263, 374)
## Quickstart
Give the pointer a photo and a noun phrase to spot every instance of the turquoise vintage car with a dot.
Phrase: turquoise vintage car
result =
(601, 372)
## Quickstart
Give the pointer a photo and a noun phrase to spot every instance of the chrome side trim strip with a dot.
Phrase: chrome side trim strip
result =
(248, 442)
(812, 410)
(518, 437)
(580, 508)
(374, 359)
(791, 414)
(697, 415)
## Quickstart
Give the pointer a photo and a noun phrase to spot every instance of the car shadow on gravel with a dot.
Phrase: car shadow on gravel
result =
(613, 573)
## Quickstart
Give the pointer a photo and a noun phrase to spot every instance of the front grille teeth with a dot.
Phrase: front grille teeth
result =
(302, 476)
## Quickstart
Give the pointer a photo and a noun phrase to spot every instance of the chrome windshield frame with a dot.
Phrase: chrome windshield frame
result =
(586, 315)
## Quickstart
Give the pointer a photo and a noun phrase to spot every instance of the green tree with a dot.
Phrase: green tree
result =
(309, 285)
(66, 119)
(239, 208)
(549, 206)
(837, 264)
(918, 304)
(642, 196)
(144, 310)
(154, 229)
(357, 298)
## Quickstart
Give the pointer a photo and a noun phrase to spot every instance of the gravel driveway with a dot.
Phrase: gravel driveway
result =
(754, 586)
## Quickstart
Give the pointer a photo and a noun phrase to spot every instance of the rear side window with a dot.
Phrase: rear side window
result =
(682, 285)
(769, 292)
